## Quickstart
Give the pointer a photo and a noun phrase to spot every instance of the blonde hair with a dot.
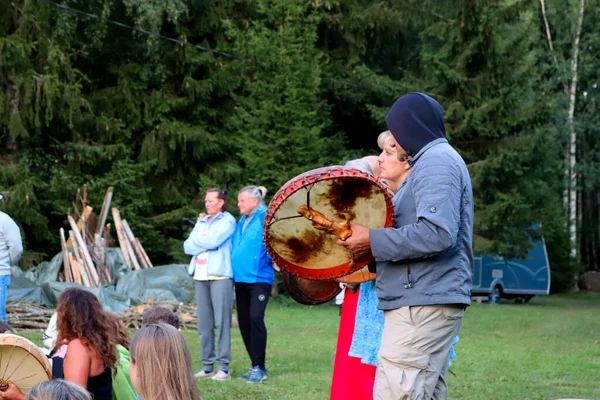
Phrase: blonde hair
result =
(57, 390)
(383, 140)
(256, 192)
(163, 364)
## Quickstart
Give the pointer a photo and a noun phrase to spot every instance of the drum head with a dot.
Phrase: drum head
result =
(339, 194)
(310, 292)
(22, 363)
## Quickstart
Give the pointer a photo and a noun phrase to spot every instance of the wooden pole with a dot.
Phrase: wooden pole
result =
(75, 269)
(148, 262)
(86, 213)
(66, 259)
(83, 230)
(134, 261)
(86, 254)
(121, 236)
(104, 210)
(85, 279)
(129, 235)
(84, 201)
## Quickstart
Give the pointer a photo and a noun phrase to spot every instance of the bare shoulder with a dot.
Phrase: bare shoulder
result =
(77, 348)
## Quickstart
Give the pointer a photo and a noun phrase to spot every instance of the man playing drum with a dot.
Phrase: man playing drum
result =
(424, 262)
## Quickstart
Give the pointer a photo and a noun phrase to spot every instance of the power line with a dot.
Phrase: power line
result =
(137, 29)
(181, 42)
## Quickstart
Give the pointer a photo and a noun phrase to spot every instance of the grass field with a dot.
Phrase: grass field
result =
(547, 349)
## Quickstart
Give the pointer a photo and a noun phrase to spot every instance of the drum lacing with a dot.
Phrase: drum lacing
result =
(308, 187)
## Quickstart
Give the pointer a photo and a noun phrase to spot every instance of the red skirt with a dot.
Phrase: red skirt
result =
(352, 380)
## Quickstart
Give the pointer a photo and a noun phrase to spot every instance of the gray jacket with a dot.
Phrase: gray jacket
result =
(11, 246)
(427, 258)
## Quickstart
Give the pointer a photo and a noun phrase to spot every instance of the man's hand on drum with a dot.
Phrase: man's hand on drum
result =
(359, 243)
(12, 393)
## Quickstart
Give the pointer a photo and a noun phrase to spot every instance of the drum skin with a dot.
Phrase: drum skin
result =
(22, 362)
(338, 193)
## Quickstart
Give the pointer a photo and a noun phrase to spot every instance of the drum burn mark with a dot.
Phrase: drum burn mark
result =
(301, 248)
(344, 193)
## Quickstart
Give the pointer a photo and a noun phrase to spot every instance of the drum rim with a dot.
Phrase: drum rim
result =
(10, 339)
(371, 276)
(290, 187)
(301, 296)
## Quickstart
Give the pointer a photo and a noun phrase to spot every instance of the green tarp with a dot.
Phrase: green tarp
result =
(173, 278)
(39, 284)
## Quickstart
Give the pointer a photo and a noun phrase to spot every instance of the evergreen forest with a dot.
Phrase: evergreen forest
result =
(163, 99)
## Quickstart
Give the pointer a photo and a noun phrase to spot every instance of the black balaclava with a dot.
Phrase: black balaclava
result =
(416, 119)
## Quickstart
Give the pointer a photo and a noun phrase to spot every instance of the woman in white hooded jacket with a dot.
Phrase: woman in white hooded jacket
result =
(210, 245)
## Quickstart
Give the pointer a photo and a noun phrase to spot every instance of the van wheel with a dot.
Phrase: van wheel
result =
(524, 299)
(495, 295)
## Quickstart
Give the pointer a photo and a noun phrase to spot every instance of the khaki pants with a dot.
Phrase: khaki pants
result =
(414, 352)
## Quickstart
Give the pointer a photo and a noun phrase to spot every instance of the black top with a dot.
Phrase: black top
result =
(100, 387)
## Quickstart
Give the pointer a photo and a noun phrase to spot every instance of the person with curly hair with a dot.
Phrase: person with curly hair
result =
(89, 334)
(87, 339)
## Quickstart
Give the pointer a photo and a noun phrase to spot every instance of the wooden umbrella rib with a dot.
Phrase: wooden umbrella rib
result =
(12, 350)
(17, 367)
(27, 377)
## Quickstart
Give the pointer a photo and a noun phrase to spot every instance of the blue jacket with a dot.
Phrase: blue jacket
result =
(249, 258)
(427, 258)
(214, 238)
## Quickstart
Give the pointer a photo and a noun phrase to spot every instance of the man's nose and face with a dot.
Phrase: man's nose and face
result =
(246, 203)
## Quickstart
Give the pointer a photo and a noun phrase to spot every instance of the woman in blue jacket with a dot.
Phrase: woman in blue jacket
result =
(253, 274)
(210, 245)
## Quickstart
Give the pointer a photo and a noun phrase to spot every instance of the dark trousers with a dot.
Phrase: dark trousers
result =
(251, 300)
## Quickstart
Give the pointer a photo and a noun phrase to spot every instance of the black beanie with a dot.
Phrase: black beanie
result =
(416, 119)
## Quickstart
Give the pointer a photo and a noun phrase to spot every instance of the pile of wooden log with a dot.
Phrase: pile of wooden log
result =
(84, 253)
(26, 315)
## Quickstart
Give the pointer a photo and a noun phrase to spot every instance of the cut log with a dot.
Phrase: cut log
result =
(65, 255)
(104, 210)
(86, 213)
(85, 253)
(121, 236)
(132, 240)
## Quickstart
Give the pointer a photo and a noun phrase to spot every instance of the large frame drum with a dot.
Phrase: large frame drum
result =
(340, 194)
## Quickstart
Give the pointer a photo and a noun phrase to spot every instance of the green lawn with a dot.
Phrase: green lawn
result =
(547, 349)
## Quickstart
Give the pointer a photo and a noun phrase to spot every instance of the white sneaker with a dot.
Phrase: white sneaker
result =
(204, 374)
(221, 376)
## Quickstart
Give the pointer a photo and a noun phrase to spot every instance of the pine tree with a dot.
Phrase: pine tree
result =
(278, 117)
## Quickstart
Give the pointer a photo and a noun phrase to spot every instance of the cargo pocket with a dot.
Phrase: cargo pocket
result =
(454, 313)
(400, 373)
